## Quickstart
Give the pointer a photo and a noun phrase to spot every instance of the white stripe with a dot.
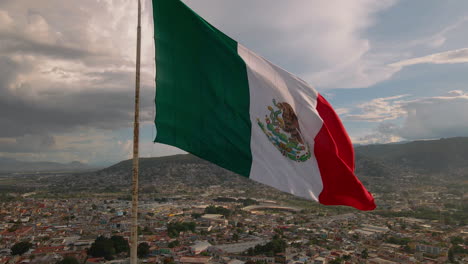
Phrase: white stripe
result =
(269, 166)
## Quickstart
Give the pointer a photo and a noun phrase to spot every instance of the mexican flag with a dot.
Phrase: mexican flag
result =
(221, 102)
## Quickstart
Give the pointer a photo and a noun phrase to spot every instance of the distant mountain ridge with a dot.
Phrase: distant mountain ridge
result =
(13, 165)
(380, 167)
(426, 156)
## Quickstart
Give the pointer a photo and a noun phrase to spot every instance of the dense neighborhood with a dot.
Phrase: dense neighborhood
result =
(224, 230)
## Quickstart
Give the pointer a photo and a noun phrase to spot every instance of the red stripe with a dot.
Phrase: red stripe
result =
(335, 156)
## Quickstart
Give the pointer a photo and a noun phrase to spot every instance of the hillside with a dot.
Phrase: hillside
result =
(12, 165)
(431, 156)
(180, 173)
(382, 168)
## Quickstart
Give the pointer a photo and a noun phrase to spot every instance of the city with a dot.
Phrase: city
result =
(231, 222)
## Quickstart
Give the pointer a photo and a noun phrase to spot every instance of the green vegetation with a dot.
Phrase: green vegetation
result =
(108, 247)
(225, 200)
(5, 197)
(68, 260)
(275, 246)
(338, 260)
(174, 229)
(456, 240)
(196, 215)
(218, 210)
(429, 214)
(398, 241)
(120, 244)
(173, 244)
(245, 202)
(451, 256)
(454, 251)
(13, 228)
(143, 250)
(145, 231)
(20, 248)
(365, 254)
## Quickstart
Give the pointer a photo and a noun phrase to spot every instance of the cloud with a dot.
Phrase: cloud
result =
(28, 143)
(59, 113)
(447, 57)
(439, 38)
(436, 117)
(377, 110)
(425, 118)
(322, 41)
(384, 133)
(67, 68)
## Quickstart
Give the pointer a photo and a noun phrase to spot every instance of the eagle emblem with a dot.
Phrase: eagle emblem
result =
(282, 129)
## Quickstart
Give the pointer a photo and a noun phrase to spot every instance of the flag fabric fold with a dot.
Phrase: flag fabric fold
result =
(222, 102)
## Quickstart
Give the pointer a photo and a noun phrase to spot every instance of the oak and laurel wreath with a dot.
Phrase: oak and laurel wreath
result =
(284, 143)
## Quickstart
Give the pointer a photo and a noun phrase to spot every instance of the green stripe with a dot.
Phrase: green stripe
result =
(202, 94)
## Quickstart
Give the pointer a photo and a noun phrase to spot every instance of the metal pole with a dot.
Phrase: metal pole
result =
(136, 135)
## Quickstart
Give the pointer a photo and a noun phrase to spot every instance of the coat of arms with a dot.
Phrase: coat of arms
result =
(282, 129)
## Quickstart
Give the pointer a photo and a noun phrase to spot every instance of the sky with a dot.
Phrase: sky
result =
(394, 70)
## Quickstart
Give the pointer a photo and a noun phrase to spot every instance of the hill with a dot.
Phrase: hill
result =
(430, 156)
(13, 165)
(177, 175)
(382, 168)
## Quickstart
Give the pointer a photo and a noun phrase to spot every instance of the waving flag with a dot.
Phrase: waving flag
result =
(221, 102)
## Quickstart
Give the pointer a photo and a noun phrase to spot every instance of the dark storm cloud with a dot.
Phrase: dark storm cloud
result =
(11, 43)
(66, 69)
(29, 121)
(8, 72)
(29, 143)
(58, 113)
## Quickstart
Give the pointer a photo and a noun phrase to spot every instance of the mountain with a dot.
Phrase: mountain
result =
(171, 175)
(13, 165)
(428, 156)
(382, 168)
(170, 170)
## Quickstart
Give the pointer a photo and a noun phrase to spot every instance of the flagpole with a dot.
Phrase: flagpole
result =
(136, 135)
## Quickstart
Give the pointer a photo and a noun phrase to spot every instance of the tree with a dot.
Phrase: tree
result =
(173, 244)
(147, 231)
(365, 254)
(456, 240)
(277, 245)
(451, 257)
(20, 248)
(407, 249)
(13, 228)
(235, 237)
(102, 247)
(143, 250)
(68, 260)
(336, 261)
(218, 210)
(196, 215)
(173, 229)
(120, 244)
